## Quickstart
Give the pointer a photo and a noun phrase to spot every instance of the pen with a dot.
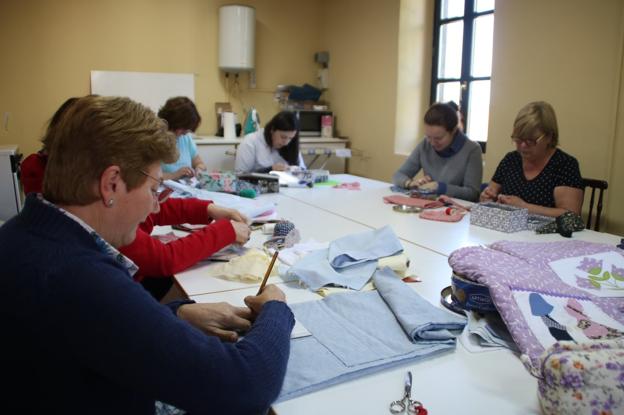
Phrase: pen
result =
(266, 275)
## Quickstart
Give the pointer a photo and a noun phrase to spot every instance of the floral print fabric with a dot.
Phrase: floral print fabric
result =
(583, 378)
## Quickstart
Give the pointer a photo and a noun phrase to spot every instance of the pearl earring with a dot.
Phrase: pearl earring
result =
(110, 202)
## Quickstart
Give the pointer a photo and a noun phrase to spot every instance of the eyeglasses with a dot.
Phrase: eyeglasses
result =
(529, 142)
(163, 191)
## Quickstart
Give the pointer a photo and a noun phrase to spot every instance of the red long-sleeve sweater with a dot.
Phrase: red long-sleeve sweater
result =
(157, 259)
(32, 169)
(153, 257)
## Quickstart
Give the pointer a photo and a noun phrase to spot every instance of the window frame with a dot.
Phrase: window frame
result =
(465, 78)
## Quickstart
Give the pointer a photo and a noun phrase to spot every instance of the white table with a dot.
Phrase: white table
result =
(366, 206)
(456, 382)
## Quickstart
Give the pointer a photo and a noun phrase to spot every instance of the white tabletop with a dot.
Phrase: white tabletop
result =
(366, 206)
(456, 382)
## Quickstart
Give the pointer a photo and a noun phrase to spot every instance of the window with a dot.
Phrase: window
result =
(462, 60)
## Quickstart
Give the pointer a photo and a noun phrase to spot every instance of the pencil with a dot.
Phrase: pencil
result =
(268, 272)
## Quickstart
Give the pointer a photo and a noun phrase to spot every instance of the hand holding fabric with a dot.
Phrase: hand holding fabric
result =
(219, 212)
(488, 195)
(217, 319)
(512, 200)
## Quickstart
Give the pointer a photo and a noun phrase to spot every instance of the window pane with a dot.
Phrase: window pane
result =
(482, 45)
(483, 6)
(451, 8)
(450, 50)
(448, 91)
(478, 110)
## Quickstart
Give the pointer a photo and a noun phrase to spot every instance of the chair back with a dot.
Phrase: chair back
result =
(600, 186)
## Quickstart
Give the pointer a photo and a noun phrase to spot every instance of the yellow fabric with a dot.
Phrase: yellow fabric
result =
(249, 267)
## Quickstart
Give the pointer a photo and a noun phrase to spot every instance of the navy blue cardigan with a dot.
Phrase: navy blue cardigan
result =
(80, 336)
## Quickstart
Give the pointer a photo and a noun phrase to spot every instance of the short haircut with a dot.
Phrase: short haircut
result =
(285, 121)
(96, 133)
(534, 119)
(54, 120)
(180, 113)
(442, 115)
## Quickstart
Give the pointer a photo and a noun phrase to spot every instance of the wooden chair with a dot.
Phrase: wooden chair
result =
(600, 185)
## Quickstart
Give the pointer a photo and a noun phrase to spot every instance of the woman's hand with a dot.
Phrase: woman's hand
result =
(183, 172)
(270, 293)
(430, 185)
(217, 319)
(242, 231)
(219, 212)
(488, 194)
(512, 200)
(279, 167)
(200, 167)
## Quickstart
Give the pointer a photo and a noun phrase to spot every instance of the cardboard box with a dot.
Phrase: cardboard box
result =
(499, 217)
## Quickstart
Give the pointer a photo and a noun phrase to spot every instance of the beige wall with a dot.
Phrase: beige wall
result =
(362, 39)
(569, 53)
(50, 47)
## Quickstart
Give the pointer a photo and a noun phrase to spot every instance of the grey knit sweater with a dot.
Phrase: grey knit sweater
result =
(458, 169)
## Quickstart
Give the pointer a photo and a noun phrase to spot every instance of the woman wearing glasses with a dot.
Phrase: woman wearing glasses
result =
(537, 176)
(451, 163)
(85, 337)
(157, 261)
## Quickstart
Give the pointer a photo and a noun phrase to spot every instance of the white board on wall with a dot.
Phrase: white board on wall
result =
(149, 88)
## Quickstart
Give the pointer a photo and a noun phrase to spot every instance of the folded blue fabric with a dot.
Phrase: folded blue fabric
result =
(348, 262)
(315, 271)
(419, 319)
(357, 333)
(364, 246)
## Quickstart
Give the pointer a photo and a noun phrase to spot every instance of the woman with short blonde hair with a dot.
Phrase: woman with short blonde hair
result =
(537, 175)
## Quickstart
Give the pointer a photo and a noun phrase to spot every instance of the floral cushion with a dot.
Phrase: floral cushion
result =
(585, 378)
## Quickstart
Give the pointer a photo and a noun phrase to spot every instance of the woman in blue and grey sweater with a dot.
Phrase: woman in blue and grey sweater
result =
(451, 163)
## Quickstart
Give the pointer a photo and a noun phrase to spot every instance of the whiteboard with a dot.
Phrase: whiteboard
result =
(149, 88)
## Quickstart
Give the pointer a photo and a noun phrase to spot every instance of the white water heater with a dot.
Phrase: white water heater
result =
(237, 26)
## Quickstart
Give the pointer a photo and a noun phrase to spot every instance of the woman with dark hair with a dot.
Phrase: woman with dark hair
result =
(451, 163)
(274, 148)
(32, 168)
(183, 119)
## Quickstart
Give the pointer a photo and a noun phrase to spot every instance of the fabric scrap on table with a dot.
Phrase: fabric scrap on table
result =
(348, 262)
(358, 333)
(413, 201)
(363, 247)
(250, 267)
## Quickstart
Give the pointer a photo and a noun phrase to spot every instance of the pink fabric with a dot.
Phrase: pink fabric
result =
(413, 201)
(441, 215)
(348, 186)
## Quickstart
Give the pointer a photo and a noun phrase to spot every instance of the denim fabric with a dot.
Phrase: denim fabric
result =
(357, 333)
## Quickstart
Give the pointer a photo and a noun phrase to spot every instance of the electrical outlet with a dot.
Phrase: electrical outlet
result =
(5, 121)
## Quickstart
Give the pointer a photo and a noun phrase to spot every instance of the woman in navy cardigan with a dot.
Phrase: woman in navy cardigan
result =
(84, 337)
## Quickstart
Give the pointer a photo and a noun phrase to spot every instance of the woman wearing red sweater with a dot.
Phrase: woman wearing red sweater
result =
(156, 260)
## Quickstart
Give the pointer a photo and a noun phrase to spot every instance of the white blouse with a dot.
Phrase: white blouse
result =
(254, 154)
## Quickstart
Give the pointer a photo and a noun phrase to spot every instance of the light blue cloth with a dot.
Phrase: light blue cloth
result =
(349, 261)
(357, 333)
(364, 246)
(187, 149)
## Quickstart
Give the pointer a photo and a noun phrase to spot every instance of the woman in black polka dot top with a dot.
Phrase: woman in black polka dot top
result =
(538, 175)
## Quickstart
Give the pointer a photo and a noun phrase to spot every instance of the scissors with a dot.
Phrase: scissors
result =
(406, 404)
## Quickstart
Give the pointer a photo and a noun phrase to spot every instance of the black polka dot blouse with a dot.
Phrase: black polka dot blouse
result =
(562, 170)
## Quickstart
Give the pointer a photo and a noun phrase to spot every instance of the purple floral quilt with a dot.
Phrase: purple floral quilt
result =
(550, 291)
